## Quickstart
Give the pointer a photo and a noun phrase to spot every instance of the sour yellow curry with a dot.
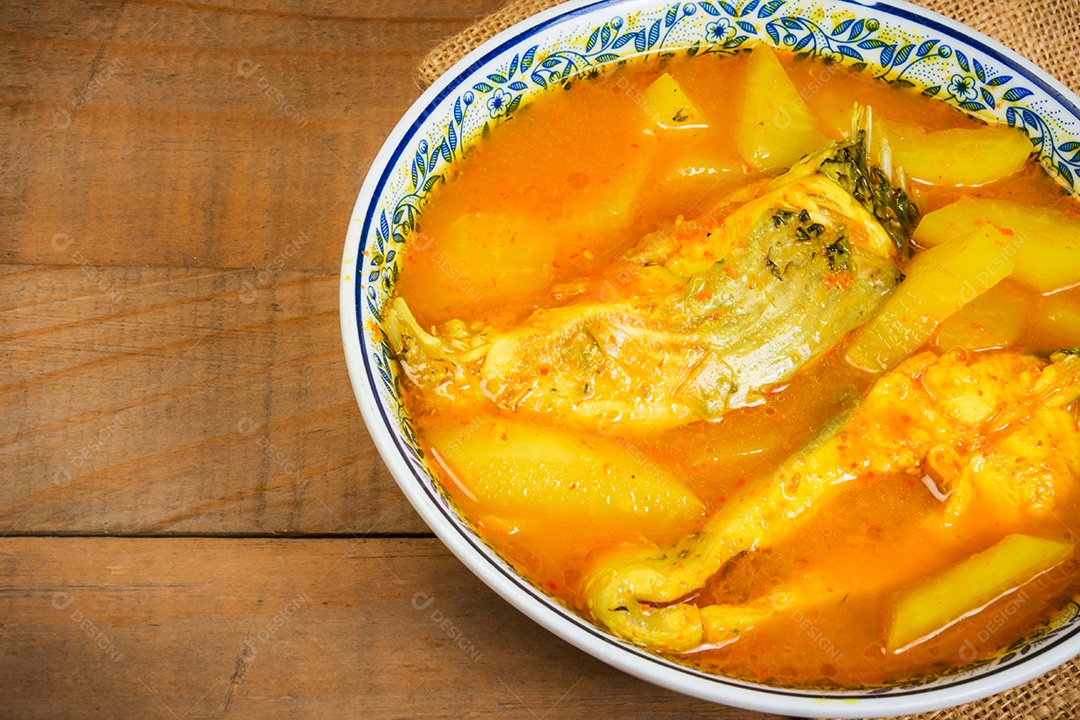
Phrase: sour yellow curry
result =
(760, 364)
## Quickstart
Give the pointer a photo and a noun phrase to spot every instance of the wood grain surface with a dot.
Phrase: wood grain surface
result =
(176, 179)
(209, 628)
(183, 400)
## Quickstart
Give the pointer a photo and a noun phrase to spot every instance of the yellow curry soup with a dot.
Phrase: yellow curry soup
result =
(784, 400)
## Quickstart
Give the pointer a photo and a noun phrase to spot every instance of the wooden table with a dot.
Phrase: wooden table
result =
(195, 523)
(193, 520)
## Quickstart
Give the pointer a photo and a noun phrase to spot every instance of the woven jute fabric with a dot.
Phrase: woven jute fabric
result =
(1047, 32)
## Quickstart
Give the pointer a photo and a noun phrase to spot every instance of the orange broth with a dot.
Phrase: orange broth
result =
(576, 164)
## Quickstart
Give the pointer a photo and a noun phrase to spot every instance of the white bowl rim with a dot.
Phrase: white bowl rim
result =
(518, 592)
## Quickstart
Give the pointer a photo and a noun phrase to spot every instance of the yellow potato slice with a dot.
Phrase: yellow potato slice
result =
(597, 215)
(1044, 242)
(487, 254)
(1055, 323)
(938, 282)
(775, 127)
(668, 107)
(964, 589)
(956, 157)
(588, 484)
(991, 321)
(689, 181)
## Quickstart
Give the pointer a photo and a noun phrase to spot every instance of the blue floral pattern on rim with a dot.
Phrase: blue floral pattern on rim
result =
(894, 45)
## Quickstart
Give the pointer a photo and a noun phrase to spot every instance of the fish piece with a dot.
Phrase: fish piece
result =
(1006, 423)
(712, 313)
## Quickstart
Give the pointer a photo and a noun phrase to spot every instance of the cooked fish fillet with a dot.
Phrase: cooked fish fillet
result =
(998, 431)
(707, 315)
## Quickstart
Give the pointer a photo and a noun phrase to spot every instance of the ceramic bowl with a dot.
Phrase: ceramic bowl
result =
(893, 40)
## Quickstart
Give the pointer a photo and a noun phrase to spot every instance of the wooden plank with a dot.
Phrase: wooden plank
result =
(209, 134)
(204, 628)
(170, 400)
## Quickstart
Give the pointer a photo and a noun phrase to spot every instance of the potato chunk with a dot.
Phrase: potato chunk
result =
(955, 157)
(775, 128)
(521, 471)
(938, 282)
(515, 255)
(1055, 323)
(966, 588)
(991, 321)
(690, 181)
(1045, 242)
(668, 107)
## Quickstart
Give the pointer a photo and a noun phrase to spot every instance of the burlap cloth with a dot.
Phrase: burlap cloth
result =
(1047, 32)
